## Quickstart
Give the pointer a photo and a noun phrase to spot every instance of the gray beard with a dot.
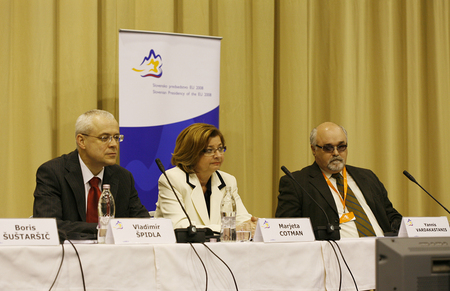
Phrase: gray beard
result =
(336, 164)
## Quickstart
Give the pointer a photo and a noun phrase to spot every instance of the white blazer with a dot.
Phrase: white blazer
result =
(189, 190)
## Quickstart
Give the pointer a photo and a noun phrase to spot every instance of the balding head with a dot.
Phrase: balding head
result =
(328, 141)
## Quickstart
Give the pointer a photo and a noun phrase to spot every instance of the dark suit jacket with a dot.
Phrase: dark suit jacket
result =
(60, 193)
(293, 202)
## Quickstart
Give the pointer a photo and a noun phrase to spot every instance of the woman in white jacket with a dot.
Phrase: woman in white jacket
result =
(198, 155)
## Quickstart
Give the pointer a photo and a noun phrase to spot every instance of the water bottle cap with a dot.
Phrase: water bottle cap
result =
(106, 186)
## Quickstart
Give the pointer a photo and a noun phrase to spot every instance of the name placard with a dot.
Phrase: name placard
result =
(29, 232)
(283, 230)
(424, 227)
(140, 231)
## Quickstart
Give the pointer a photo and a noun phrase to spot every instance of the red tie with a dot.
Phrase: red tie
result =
(92, 205)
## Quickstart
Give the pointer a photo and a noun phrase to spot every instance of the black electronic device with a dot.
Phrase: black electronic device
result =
(413, 264)
(323, 232)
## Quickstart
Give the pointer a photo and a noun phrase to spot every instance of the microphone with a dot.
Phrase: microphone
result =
(328, 232)
(409, 176)
(191, 233)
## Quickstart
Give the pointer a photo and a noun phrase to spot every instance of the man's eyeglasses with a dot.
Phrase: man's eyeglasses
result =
(330, 149)
(108, 138)
(211, 152)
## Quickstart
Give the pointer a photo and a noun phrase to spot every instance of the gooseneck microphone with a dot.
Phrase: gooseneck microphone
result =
(330, 233)
(161, 168)
(409, 176)
(191, 233)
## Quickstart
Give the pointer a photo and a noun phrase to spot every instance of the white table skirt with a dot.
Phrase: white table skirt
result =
(308, 266)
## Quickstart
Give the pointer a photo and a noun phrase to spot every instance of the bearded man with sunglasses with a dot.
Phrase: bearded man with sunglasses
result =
(353, 198)
(64, 187)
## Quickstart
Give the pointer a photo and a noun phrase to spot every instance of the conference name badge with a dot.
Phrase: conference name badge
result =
(284, 230)
(346, 217)
(424, 227)
(140, 231)
(29, 232)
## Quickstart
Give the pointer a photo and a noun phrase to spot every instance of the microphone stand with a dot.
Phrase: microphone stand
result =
(409, 176)
(191, 233)
(328, 232)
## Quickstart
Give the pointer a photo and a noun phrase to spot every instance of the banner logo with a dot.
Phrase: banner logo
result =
(150, 66)
(118, 225)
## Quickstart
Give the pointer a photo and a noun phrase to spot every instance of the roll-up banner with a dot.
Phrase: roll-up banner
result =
(166, 82)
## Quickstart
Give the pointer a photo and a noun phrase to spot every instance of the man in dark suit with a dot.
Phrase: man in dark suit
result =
(338, 188)
(62, 184)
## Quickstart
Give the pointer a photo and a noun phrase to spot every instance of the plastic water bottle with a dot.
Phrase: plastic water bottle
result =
(228, 215)
(106, 211)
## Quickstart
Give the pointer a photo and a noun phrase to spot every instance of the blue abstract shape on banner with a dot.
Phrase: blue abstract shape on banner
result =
(142, 145)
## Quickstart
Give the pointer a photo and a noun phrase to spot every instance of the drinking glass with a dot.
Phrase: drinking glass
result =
(244, 232)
